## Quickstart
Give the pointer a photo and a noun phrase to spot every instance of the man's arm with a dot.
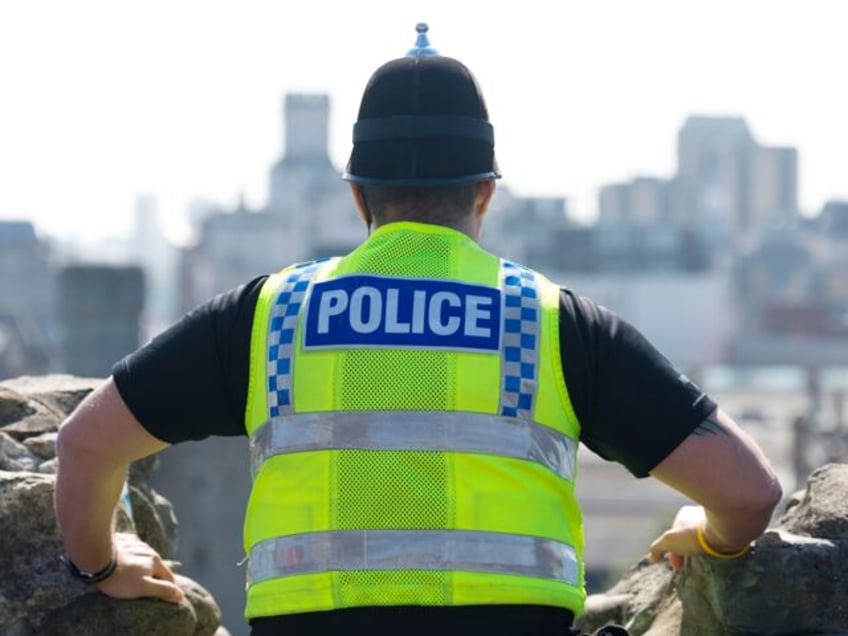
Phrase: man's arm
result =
(720, 467)
(96, 445)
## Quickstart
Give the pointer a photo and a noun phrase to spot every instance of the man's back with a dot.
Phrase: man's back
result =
(435, 457)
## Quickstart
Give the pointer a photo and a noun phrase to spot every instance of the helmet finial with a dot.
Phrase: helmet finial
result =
(422, 43)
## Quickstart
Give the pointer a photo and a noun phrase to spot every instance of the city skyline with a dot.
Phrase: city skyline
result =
(182, 102)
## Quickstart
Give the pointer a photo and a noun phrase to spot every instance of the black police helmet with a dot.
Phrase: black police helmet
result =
(422, 122)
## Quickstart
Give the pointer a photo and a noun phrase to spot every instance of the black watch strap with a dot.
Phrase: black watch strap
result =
(91, 577)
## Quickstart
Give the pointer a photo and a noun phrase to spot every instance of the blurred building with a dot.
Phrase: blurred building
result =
(643, 201)
(687, 315)
(150, 249)
(21, 351)
(523, 229)
(791, 290)
(728, 185)
(100, 310)
(833, 223)
(27, 325)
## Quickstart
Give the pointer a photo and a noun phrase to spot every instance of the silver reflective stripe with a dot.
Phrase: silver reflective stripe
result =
(415, 430)
(448, 550)
(520, 349)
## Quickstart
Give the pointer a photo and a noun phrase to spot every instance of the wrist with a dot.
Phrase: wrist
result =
(710, 549)
(91, 577)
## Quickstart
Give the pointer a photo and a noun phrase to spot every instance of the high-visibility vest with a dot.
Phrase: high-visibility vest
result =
(412, 438)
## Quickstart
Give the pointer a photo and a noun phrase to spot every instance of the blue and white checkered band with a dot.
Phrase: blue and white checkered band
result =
(520, 350)
(281, 333)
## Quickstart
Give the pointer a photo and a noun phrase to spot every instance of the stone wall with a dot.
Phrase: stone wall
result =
(37, 595)
(792, 582)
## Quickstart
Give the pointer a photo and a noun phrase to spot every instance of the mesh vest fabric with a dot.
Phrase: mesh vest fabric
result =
(427, 491)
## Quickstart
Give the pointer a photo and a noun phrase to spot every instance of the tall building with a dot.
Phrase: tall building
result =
(727, 185)
(305, 190)
(713, 176)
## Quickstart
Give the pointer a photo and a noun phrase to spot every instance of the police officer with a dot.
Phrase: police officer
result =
(414, 409)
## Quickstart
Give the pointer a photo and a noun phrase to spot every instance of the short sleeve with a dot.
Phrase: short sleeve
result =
(633, 405)
(190, 381)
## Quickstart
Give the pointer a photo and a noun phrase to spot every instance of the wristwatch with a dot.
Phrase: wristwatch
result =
(91, 577)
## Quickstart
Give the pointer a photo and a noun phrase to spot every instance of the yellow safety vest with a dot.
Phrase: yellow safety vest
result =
(412, 438)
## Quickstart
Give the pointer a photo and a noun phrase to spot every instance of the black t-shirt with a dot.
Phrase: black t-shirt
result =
(634, 408)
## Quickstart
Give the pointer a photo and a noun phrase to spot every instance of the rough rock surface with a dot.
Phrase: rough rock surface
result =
(37, 596)
(794, 580)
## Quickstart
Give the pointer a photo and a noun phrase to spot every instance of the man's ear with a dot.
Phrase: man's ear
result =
(485, 192)
(359, 201)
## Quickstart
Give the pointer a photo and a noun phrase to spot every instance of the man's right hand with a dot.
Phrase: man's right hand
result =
(681, 540)
(721, 468)
(140, 573)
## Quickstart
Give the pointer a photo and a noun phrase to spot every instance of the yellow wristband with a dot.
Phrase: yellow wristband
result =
(706, 547)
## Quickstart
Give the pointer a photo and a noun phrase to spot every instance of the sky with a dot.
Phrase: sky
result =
(102, 101)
